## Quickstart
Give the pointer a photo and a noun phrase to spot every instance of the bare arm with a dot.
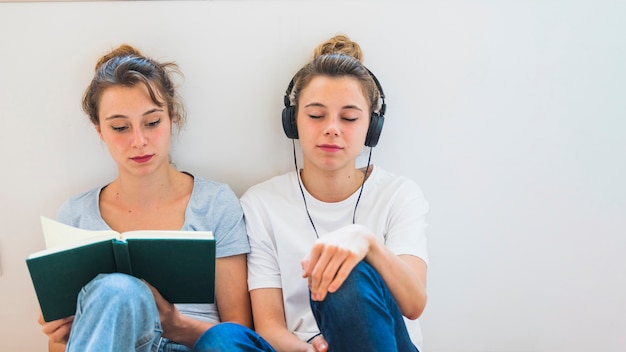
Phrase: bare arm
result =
(233, 298)
(405, 275)
(56, 347)
(332, 259)
(269, 321)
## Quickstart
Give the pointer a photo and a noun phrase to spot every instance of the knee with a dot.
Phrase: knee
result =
(115, 283)
(116, 287)
(358, 288)
(363, 273)
(361, 278)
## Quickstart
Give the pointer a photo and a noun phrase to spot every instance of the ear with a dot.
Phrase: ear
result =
(99, 130)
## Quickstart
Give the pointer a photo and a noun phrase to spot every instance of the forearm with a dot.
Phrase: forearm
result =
(269, 320)
(231, 290)
(56, 347)
(187, 331)
(283, 340)
(404, 275)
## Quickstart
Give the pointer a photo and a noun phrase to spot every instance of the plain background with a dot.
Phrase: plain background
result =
(509, 114)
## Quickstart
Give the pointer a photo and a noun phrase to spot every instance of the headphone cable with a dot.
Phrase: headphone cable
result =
(295, 164)
(306, 208)
(367, 169)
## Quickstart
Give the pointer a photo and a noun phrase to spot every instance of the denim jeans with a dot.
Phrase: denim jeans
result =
(117, 313)
(231, 337)
(362, 315)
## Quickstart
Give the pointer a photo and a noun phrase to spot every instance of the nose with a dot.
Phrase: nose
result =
(332, 127)
(139, 138)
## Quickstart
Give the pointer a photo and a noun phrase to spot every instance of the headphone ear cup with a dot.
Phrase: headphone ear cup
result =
(289, 122)
(374, 130)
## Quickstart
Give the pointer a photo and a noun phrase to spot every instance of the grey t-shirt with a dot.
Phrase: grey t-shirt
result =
(212, 207)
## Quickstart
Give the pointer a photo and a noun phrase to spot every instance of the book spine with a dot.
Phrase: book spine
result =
(122, 257)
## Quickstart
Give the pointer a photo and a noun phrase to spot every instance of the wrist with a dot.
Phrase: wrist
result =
(186, 330)
(373, 247)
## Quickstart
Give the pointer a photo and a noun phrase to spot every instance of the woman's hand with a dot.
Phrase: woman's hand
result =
(169, 314)
(319, 344)
(58, 331)
(176, 326)
(333, 257)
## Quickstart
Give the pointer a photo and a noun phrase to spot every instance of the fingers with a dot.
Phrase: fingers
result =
(309, 262)
(62, 334)
(324, 270)
(342, 273)
(58, 331)
(333, 257)
(331, 270)
(169, 314)
(157, 295)
(319, 344)
(305, 266)
(165, 308)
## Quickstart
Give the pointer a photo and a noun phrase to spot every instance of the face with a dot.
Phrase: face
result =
(332, 119)
(137, 131)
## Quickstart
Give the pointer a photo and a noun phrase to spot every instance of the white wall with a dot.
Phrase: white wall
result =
(509, 114)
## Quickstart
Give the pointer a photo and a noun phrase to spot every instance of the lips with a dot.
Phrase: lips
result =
(142, 158)
(330, 148)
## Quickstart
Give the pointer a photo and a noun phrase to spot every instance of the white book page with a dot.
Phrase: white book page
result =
(164, 234)
(57, 234)
(60, 237)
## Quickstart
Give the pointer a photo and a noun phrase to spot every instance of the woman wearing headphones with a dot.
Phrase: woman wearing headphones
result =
(338, 253)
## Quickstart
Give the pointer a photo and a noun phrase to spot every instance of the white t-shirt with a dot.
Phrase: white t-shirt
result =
(281, 235)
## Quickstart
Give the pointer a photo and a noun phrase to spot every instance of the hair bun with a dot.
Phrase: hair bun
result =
(339, 44)
(121, 51)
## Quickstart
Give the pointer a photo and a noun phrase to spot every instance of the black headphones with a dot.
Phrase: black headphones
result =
(377, 119)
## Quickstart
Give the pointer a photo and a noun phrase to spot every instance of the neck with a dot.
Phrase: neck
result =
(332, 186)
(144, 190)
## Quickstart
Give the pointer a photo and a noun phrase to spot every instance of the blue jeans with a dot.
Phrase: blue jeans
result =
(231, 337)
(117, 313)
(362, 315)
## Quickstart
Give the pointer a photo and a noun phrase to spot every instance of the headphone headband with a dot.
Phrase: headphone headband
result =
(383, 105)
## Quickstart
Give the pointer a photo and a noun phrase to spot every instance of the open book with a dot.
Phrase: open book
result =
(179, 264)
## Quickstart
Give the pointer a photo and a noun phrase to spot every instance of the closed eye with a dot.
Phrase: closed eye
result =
(119, 129)
(154, 123)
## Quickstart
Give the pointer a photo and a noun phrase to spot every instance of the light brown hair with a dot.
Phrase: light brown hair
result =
(126, 66)
(339, 56)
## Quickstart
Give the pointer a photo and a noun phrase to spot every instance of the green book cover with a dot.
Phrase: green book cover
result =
(180, 264)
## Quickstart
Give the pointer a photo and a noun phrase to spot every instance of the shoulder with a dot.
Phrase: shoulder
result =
(210, 196)
(277, 186)
(203, 187)
(396, 190)
(386, 180)
(82, 210)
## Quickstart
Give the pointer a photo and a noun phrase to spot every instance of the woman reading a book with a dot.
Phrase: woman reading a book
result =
(133, 105)
(338, 253)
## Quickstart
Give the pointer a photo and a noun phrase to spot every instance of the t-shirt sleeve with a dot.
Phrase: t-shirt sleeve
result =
(64, 214)
(407, 223)
(216, 208)
(263, 267)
